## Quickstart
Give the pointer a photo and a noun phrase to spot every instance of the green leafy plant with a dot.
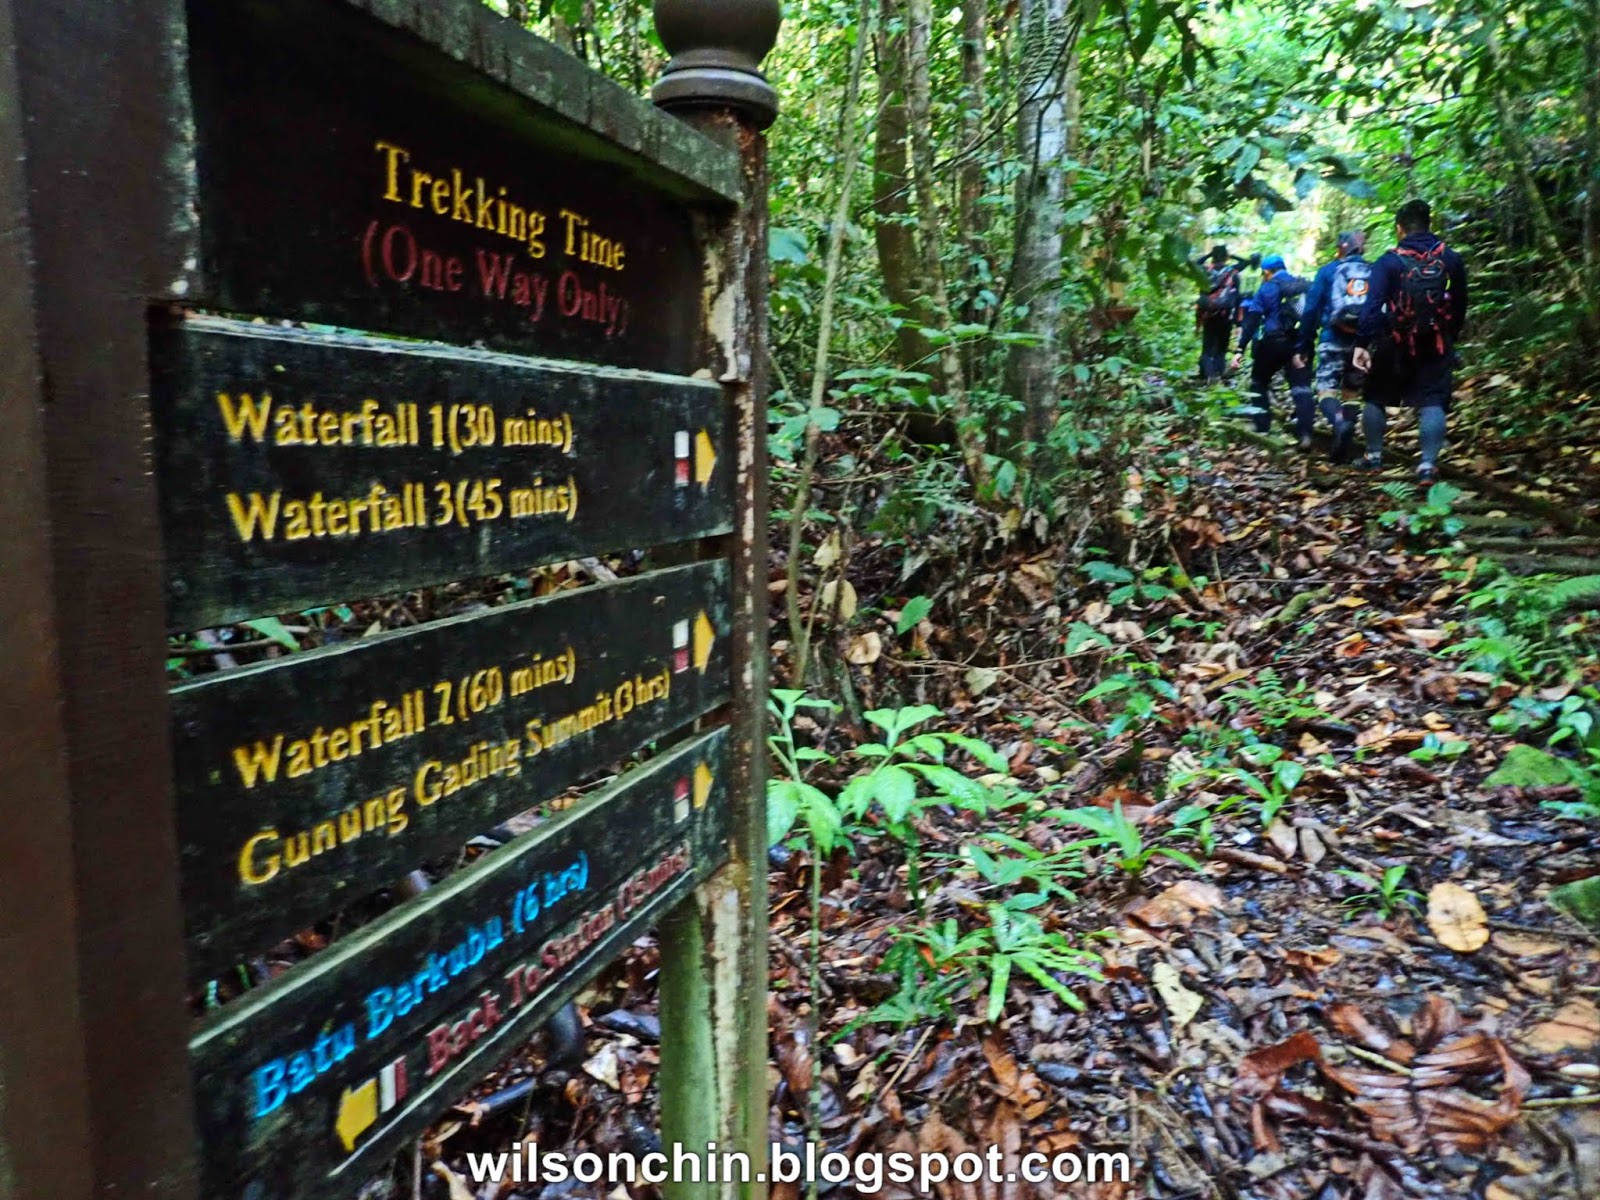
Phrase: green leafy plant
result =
(1529, 767)
(1146, 585)
(790, 799)
(1272, 784)
(1123, 841)
(1135, 689)
(942, 961)
(1430, 519)
(1434, 747)
(1383, 895)
(1196, 821)
(1272, 703)
(1043, 874)
(910, 776)
(1526, 629)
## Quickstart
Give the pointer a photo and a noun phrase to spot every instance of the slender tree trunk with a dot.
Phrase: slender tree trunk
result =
(891, 195)
(1591, 160)
(919, 110)
(974, 64)
(850, 143)
(1036, 279)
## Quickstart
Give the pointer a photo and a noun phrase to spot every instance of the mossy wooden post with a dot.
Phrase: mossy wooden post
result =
(94, 1087)
(714, 947)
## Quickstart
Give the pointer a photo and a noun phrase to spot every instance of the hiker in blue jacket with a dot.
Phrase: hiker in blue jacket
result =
(1270, 332)
(1334, 305)
(1406, 340)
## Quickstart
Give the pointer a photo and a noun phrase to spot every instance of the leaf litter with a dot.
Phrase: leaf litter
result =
(1258, 1030)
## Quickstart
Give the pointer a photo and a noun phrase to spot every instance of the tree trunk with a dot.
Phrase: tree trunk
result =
(850, 143)
(891, 196)
(919, 111)
(1036, 275)
(974, 38)
(1591, 161)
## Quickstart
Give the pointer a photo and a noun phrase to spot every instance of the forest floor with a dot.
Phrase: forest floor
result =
(1356, 990)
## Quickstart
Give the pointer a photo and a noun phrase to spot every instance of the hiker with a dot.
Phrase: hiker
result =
(1271, 331)
(1217, 310)
(1334, 305)
(1406, 340)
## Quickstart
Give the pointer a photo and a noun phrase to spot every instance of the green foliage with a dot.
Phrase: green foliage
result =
(274, 629)
(1527, 629)
(1273, 704)
(938, 963)
(1121, 839)
(912, 614)
(790, 799)
(1430, 519)
(1529, 767)
(1384, 895)
(1434, 748)
(1043, 875)
(1133, 690)
(1269, 791)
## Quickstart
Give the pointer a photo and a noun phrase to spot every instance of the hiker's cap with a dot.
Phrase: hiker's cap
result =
(1273, 262)
(1352, 241)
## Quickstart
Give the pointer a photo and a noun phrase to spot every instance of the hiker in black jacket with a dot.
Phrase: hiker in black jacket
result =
(1407, 337)
(1216, 310)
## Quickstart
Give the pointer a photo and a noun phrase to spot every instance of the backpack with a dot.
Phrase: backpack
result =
(1347, 295)
(1421, 307)
(1292, 303)
(1223, 298)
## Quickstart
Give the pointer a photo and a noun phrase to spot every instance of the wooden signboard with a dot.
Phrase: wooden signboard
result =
(314, 301)
(308, 781)
(307, 1083)
(371, 185)
(299, 469)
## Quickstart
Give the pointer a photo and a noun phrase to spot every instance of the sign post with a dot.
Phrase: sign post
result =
(714, 948)
(304, 302)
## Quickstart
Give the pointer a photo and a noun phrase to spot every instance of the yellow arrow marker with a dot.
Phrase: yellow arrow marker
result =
(702, 784)
(705, 458)
(358, 1109)
(704, 636)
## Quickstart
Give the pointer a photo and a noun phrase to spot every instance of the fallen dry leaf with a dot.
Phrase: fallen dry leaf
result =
(1456, 918)
(865, 649)
(1178, 905)
(1575, 1027)
(1525, 947)
(1180, 1001)
(1317, 959)
(1260, 1070)
(838, 600)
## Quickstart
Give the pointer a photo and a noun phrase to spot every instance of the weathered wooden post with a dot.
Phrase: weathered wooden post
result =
(305, 302)
(714, 973)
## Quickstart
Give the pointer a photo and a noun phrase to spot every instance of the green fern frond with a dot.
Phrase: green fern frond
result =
(1396, 490)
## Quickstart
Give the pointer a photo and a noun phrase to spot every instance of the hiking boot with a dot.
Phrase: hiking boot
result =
(1344, 433)
(1305, 441)
(1369, 462)
(1427, 473)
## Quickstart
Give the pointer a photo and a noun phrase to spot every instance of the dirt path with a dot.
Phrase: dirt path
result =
(1273, 1025)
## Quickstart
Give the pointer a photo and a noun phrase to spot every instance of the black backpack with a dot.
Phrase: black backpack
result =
(1421, 307)
(1292, 302)
(1223, 298)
